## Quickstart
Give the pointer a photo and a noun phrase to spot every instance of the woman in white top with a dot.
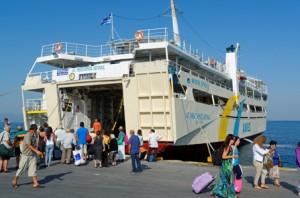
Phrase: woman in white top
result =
(50, 142)
(258, 161)
(4, 139)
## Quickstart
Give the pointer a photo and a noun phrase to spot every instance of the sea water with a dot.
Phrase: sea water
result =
(286, 133)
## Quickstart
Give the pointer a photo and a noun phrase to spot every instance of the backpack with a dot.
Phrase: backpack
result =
(268, 162)
(88, 138)
(217, 156)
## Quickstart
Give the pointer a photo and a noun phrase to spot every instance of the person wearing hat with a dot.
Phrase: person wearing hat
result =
(67, 141)
(274, 171)
(28, 158)
(17, 141)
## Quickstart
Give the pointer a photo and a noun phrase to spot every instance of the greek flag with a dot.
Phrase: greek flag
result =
(107, 20)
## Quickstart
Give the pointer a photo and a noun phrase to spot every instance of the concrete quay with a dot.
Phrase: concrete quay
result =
(160, 179)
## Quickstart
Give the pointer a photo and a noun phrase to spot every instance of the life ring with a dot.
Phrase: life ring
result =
(57, 47)
(139, 35)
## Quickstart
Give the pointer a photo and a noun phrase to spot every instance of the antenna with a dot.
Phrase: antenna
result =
(176, 35)
(112, 26)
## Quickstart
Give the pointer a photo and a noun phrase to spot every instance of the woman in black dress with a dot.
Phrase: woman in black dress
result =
(106, 140)
(98, 148)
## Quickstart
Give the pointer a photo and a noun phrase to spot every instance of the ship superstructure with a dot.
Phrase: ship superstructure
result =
(150, 81)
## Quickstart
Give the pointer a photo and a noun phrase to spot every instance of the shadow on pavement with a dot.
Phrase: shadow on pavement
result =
(145, 167)
(50, 178)
(249, 179)
(289, 187)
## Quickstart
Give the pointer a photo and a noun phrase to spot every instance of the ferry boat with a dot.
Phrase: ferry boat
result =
(149, 82)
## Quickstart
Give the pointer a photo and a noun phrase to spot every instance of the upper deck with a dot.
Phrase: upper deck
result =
(65, 56)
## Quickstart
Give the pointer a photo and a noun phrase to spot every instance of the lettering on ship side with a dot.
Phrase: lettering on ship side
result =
(246, 127)
(197, 116)
(198, 82)
(89, 68)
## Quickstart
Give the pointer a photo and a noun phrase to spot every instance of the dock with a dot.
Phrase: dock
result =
(159, 179)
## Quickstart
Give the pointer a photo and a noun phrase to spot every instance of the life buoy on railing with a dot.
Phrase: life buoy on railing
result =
(57, 47)
(212, 62)
(139, 35)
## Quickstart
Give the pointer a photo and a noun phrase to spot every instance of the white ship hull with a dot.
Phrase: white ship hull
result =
(149, 102)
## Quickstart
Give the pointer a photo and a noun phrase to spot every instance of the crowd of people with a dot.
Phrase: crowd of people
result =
(41, 144)
(266, 162)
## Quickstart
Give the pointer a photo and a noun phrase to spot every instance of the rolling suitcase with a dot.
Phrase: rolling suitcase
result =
(202, 181)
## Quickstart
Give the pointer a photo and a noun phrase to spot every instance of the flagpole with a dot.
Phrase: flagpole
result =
(112, 26)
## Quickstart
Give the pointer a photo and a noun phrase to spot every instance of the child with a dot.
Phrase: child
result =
(274, 171)
(236, 161)
(297, 153)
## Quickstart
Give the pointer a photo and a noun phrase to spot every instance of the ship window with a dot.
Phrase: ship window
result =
(180, 89)
(265, 97)
(245, 107)
(202, 97)
(67, 106)
(252, 108)
(259, 109)
(177, 86)
(220, 100)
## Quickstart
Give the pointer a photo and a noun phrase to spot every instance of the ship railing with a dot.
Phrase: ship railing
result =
(197, 74)
(113, 48)
(210, 62)
(41, 77)
(257, 85)
(153, 35)
(35, 105)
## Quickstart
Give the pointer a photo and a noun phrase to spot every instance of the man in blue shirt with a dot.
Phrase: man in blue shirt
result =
(134, 148)
(81, 134)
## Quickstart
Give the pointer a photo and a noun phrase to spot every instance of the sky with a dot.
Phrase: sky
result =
(268, 32)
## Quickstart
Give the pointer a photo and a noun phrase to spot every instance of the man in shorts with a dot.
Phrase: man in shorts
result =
(28, 157)
(81, 134)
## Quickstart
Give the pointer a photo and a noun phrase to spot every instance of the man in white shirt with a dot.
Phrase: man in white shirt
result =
(59, 133)
(67, 142)
(153, 144)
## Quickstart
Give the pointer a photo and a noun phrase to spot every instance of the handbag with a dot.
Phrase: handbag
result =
(88, 138)
(4, 151)
(268, 162)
